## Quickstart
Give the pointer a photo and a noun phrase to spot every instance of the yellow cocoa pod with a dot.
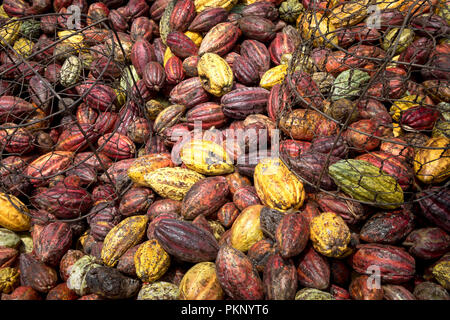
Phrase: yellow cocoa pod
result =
(273, 76)
(10, 217)
(404, 104)
(167, 55)
(71, 37)
(201, 5)
(349, 13)
(195, 37)
(206, 157)
(441, 272)
(217, 229)
(201, 283)
(319, 28)
(146, 164)
(277, 187)
(10, 32)
(23, 46)
(3, 14)
(151, 261)
(172, 183)
(9, 279)
(329, 234)
(123, 236)
(246, 229)
(215, 74)
(433, 165)
(160, 290)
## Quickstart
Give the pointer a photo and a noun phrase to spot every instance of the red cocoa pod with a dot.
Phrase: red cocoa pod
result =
(182, 15)
(340, 272)
(279, 278)
(96, 12)
(126, 115)
(429, 24)
(220, 39)
(278, 99)
(102, 218)
(135, 201)
(48, 24)
(189, 93)
(155, 144)
(307, 88)
(205, 197)
(116, 146)
(328, 145)
(292, 235)
(310, 210)
(245, 196)
(435, 204)
(236, 181)
(245, 71)
(387, 227)
(174, 70)
(22, 293)
(339, 293)
(126, 262)
(100, 97)
(260, 252)
(418, 51)
(186, 241)
(351, 211)
(99, 162)
(103, 192)
(36, 274)
(240, 103)
(388, 86)
(52, 72)
(64, 201)
(15, 8)
(92, 296)
(237, 275)
(208, 114)
(140, 90)
(396, 292)
(116, 175)
(227, 214)
(85, 114)
(76, 138)
(313, 270)
(39, 91)
(374, 109)
(190, 66)
(140, 130)
(47, 166)
(264, 9)
(160, 49)
(360, 289)
(61, 292)
(258, 53)
(419, 118)
(69, 258)
(118, 21)
(280, 45)
(157, 9)
(154, 76)
(257, 28)
(15, 140)
(13, 108)
(163, 206)
(174, 134)
(395, 264)
(205, 20)
(181, 45)
(230, 57)
(137, 8)
(201, 222)
(390, 18)
(427, 243)
(142, 53)
(365, 141)
(111, 70)
(8, 257)
(152, 225)
(53, 242)
(141, 28)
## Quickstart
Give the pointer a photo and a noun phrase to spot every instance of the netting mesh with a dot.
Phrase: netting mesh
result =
(367, 84)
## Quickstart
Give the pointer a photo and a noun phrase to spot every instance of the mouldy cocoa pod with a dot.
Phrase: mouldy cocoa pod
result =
(237, 275)
(280, 278)
(269, 220)
(160, 290)
(69, 258)
(427, 243)
(430, 291)
(111, 284)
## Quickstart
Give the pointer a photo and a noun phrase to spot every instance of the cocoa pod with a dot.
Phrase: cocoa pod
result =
(12, 108)
(141, 54)
(189, 93)
(220, 39)
(209, 114)
(53, 242)
(205, 20)
(182, 15)
(69, 258)
(396, 292)
(351, 211)
(205, 197)
(257, 28)
(126, 262)
(181, 45)
(136, 201)
(186, 241)
(237, 275)
(292, 234)
(141, 28)
(174, 70)
(360, 290)
(154, 76)
(280, 278)
(36, 274)
(434, 203)
(430, 291)
(313, 270)
(236, 181)
(22, 293)
(163, 206)
(260, 252)
(269, 221)
(340, 272)
(427, 243)
(257, 53)
(110, 283)
(245, 197)
(116, 146)
(337, 146)
(282, 44)
(201, 283)
(102, 218)
(264, 9)
(245, 71)
(227, 214)
(239, 103)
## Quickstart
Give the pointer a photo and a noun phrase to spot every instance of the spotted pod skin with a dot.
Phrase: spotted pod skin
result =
(280, 278)
(151, 261)
(215, 74)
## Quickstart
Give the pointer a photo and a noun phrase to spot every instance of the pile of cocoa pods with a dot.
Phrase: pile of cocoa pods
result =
(225, 149)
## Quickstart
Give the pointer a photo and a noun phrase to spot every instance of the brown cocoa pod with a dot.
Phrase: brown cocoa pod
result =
(22, 293)
(427, 243)
(220, 39)
(313, 270)
(292, 235)
(61, 292)
(102, 218)
(269, 220)
(126, 262)
(260, 252)
(340, 272)
(246, 196)
(264, 9)
(351, 211)
(205, 197)
(190, 66)
(186, 241)
(387, 227)
(182, 15)
(279, 278)
(428, 290)
(136, 201)
(110, 283)
(8, 257)
(245, 71)
(257, 28)
(69, 258)
(258, 53)
(36, 274)
(395, 264)
(396, 292)
(181, 45)
(361, 290)
(205, 20)
(163, 206)
(141, 54)
(227, 214)
(239, 103)
(189, 93)
(154, 76)
(237, 275)
(280, 45)
(53, 242)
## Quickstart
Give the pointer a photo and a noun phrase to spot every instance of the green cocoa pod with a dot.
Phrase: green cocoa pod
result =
(405, 38)
(160, 290)
(313, 294)
(9, 238)
(348, 84)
